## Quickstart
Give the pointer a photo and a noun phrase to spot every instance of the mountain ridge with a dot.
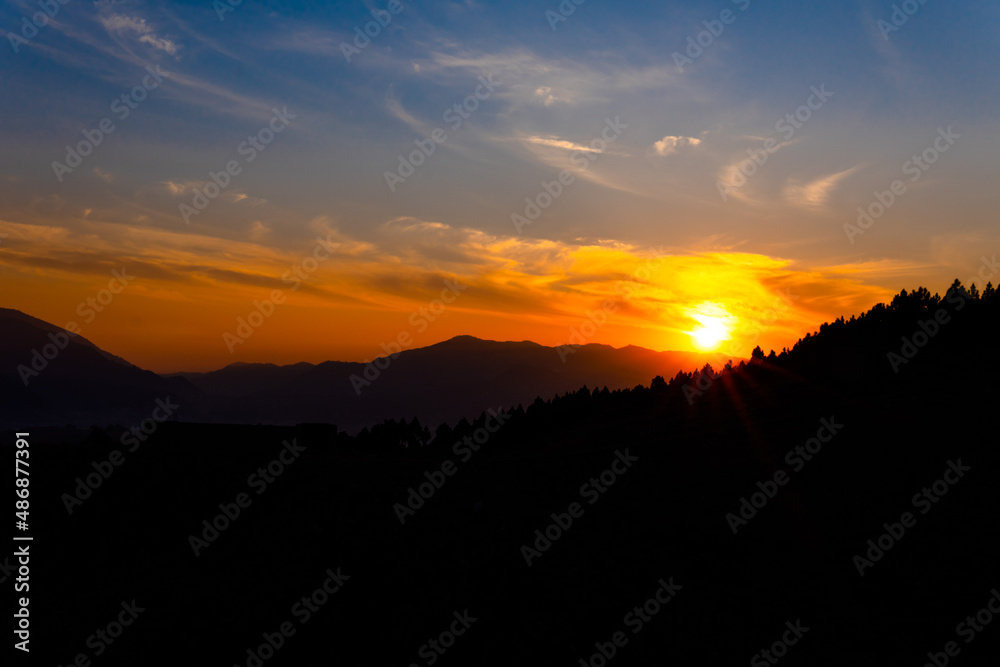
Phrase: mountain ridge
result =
(446, 381)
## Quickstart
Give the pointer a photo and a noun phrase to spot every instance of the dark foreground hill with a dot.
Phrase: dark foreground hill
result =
(830, 506)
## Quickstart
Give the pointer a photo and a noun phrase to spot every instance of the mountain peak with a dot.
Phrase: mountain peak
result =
(471, 342)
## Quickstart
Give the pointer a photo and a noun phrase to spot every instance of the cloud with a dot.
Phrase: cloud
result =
(895, 270)
(104, 175)
(526, 77)
(547, 96)
(118, 23)
(103, 57)
(670, 144)
(181, 188)
(815, 194)
(555, 142)
(397, 111)
(560, 153)
(121, 23)
(259, 231)
(159, 43)
(236, 197)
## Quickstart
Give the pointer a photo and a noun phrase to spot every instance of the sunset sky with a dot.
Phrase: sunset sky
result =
(654, 235)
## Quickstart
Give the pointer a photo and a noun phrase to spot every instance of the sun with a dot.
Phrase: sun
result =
(708, 336)
(715, 325)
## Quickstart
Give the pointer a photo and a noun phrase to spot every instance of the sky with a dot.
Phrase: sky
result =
(678, 176)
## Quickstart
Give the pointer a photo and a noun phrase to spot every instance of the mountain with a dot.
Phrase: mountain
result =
(445, 382)
(50, 377)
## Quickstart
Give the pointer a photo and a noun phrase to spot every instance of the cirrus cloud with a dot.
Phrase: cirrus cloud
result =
(122, 23)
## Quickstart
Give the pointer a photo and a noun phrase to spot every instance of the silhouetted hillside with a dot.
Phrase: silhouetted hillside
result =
(756, 492)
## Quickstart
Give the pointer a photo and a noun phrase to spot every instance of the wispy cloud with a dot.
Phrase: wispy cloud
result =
(121, 23)
(528, 77)
(814, 194)
(555, 142)
(733, 175)
(397, 111)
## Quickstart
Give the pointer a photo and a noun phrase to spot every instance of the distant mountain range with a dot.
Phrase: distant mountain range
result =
(50, 378)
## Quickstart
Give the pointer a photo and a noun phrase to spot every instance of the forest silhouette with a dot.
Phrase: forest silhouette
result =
(426, 526)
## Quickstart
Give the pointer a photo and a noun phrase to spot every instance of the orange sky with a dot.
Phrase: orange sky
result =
(341, 299)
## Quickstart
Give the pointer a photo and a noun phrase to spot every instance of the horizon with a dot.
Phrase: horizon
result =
(748, 338)
(385, 352)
